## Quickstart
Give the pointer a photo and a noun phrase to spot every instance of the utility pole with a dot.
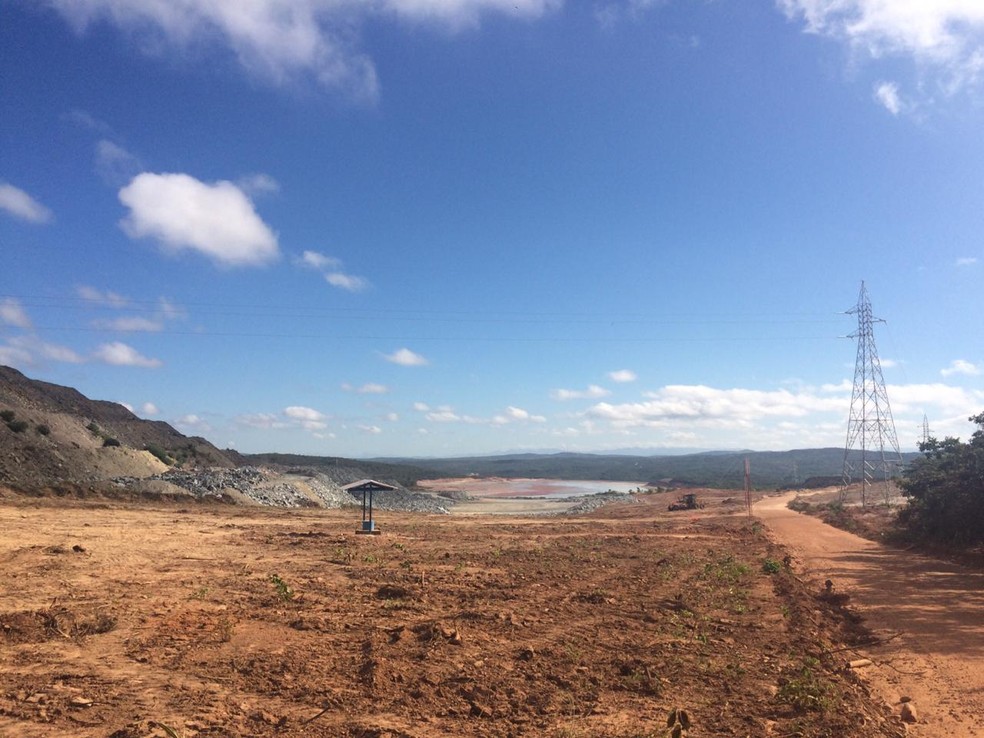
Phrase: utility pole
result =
(870, 426)
(926, 432)
(748, 488)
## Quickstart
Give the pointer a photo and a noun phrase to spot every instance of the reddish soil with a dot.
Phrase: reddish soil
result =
(129, 621)
(928, 614)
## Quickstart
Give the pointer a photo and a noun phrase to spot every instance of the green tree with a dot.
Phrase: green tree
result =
(945, 487)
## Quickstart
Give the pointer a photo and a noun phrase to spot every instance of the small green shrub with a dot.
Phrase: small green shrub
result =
(18, 426)
(42, 429)
(159, 453)
(284, 591)
(806, 690)
(7, 415)
(771, 566)
(110, 442)
(93, 428)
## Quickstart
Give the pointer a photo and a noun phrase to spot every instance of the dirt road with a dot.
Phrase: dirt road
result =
(938, 608)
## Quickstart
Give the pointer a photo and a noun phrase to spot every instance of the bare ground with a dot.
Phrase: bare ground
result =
(929, 615)
(152, 620)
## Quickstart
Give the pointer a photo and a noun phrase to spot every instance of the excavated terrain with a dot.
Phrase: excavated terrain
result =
(132, 620)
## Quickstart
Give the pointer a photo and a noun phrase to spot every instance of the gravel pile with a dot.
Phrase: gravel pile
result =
(293, 490)
(201, 482)
(601, 499)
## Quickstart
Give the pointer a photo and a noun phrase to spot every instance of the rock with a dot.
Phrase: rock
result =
(909, 713)
(479, 709)
(80, 701)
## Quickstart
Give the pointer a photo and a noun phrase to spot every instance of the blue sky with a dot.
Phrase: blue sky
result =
(445, 227)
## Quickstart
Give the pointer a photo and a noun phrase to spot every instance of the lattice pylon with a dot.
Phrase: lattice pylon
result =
(870, 427)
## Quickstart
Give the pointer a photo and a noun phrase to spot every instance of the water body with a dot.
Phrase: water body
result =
(539, 488)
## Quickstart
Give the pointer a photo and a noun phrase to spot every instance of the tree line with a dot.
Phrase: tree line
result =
(945, 488)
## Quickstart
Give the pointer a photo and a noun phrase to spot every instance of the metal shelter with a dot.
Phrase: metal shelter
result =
(367, 487)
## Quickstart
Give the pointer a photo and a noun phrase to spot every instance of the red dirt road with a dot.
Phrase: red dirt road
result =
(938, 608)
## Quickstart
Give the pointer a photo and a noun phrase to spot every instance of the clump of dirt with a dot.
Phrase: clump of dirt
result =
(618, 625)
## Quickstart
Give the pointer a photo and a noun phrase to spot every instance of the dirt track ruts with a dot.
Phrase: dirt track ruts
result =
(937, 607)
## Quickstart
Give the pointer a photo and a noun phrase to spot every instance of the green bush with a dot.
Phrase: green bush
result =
(160, 453)
(945, 488)
(110, 442)
(42, 429)
(7, 415)
(18, 426)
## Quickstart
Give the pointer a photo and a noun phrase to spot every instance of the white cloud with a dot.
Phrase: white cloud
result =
(154, 322)
(193, 423)
(298, 412)
(946, 399)
(86, 120)
(406, 357)
(346, 281)
(276, 41)
(887, 93)
(263, 421)
(15, 356)
(393, 417)
(130, 324)
(421, 407)
(306, 417)
(149, 409)
(258, 184)
(444, 414)
(110, 299)
(961, 366)
(114, 164)
(317, 260)
(281, 42)
(29, 348)
(371, 429)
(13, 313)
(169, 311)
(731, 406)
(330, 267)
(466, 12)
(518, 413)
(593, 392)
(19, 204)
(369, 388)
(966, 261)
(183, 213)
(945, 37)
(120, 354)
(610, 13)
(622, 376)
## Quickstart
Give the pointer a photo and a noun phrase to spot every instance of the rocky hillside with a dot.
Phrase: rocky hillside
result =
(51, 434)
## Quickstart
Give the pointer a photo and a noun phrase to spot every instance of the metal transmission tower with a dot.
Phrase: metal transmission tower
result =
(926, 432)
(870, 426)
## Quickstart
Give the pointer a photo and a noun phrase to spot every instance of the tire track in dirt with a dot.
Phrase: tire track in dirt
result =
(937, 607)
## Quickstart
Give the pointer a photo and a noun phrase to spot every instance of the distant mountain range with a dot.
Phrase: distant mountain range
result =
(50, 434)
(722, 469)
